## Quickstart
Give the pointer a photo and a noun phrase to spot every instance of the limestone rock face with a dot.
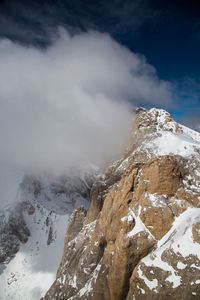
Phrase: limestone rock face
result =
(140, 238)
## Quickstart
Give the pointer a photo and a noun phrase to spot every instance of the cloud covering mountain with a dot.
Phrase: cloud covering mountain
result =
(71, 103)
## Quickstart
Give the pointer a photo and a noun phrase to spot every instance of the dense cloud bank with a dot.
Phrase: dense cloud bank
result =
(71, 103)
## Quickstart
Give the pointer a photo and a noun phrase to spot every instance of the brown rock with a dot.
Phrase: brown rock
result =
(132, 210)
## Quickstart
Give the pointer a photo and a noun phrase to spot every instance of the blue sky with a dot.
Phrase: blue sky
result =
(167, 33)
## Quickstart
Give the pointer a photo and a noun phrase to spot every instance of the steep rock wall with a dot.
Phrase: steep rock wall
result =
(143, 240)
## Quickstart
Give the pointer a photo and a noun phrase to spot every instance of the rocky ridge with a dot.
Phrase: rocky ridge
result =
(140, 237)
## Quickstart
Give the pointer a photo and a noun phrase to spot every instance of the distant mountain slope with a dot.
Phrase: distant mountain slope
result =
(140, 238)
(32, 232)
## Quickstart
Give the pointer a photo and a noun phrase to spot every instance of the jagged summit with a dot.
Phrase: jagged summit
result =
(140, 237)
(139, 110)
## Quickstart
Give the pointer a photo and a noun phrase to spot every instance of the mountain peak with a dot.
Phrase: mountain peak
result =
(156, 120)
(140, 236)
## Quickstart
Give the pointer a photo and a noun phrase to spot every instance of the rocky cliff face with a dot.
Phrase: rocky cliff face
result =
(140, 238)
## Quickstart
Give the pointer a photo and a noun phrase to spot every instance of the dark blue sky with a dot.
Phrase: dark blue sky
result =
(167, 33)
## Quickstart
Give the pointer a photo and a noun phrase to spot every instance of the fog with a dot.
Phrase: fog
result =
(69, 104)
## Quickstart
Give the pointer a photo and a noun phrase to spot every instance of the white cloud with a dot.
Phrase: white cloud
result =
(70, 103)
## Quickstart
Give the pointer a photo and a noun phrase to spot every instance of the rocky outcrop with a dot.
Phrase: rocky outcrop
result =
(140, 237)
(13, 230)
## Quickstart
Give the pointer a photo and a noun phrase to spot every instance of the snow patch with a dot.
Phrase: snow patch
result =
(181, 266)
(139, 225)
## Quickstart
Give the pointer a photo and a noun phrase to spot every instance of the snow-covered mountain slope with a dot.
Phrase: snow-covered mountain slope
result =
(140, 238)
(32, 232)
(158, 134)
